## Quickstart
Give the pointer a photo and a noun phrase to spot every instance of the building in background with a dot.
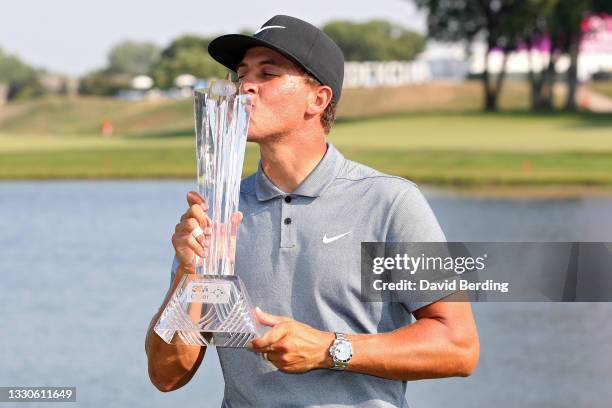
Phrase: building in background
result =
(437, 62)
(59, 84)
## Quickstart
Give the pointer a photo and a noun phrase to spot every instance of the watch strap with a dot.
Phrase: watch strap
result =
(339, 364)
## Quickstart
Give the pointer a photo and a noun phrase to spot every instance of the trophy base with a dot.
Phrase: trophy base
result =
(209, 310)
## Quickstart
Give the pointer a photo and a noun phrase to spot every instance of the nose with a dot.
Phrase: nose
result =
(248, 85)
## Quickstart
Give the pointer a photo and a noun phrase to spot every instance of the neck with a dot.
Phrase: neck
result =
(288, 162)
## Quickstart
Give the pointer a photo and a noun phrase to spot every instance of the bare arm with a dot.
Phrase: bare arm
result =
(170, 365)
(173, 365)
(443, 342)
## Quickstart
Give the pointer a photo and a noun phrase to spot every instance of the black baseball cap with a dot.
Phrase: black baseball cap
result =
(298, 40)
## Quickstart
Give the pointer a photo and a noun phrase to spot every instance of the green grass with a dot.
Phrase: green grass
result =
(464, 168)
(502, 132)
(82, 116)
(171, 161)
(450, 149)
(56, 138)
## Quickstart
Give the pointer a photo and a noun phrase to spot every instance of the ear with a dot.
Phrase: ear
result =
(320, 97)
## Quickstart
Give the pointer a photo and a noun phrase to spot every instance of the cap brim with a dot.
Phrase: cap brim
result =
(229, 49)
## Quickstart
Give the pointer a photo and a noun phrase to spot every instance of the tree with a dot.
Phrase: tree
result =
(186, 41)
(375, 40)
(566, 26)
(495, 21)
(20, 78)
(532, 32)
(133, 58)
(186, 55)
(554, 25)
(101, 82)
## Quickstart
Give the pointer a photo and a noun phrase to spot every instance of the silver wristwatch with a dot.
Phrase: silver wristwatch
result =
(341, 351)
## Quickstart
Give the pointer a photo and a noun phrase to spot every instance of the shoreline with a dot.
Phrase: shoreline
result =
(522, 192)
(483, 191)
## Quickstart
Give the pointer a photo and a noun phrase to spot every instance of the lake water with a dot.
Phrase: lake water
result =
(86, 264)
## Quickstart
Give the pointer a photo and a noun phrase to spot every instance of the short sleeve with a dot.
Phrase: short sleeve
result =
(413, 220)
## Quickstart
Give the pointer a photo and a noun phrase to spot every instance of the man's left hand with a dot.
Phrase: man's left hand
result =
(292, 346)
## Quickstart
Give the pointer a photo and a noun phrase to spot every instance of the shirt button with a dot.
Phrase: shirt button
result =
(287, 221)
(287, 199)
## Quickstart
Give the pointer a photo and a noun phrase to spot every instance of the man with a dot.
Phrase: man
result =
(306, 212)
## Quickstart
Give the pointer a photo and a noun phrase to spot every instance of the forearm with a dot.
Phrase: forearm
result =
(425, 349)
(170, 365)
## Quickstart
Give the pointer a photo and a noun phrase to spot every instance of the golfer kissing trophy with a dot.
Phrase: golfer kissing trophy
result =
(211, 307)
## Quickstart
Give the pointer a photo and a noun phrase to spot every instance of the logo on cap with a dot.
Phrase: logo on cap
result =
(267, 27)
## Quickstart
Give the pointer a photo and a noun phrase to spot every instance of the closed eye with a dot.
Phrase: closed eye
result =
(267, 74)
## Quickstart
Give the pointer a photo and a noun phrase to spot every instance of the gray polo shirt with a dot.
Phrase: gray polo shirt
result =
(299, 255)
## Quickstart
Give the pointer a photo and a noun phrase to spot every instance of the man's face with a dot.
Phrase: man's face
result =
(280, 92)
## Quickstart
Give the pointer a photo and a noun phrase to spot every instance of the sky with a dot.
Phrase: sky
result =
(74, 36)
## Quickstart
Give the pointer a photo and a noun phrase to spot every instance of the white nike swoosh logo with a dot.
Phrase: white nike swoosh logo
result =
(267, 27)
(332, 239)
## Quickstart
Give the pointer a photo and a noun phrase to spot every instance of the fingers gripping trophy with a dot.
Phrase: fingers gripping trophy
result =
(212, 307)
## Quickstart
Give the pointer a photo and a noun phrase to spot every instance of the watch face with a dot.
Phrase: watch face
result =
(343, 351)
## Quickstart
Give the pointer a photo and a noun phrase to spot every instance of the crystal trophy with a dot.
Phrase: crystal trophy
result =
(211, 307)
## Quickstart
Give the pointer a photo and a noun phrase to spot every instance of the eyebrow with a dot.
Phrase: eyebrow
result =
(262, 62)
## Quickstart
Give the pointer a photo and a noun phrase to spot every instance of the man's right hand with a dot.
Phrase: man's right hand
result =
(189, 249)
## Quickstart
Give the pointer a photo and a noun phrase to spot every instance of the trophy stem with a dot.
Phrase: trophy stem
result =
(212, 307)
(220, 145)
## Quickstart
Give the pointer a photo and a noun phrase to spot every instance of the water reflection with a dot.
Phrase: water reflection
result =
(85, 264)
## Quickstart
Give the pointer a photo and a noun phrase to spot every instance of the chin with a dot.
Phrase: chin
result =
(256, 136)
(253, 137)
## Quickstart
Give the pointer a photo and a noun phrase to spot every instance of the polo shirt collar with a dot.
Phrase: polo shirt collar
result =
(313, 185)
